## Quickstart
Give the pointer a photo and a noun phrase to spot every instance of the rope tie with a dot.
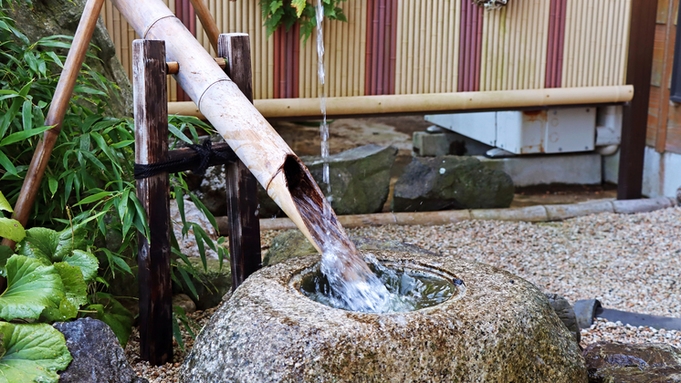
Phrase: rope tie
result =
(204, 152)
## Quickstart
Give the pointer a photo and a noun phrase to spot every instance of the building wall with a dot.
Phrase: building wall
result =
(662, 166)
(414, 46)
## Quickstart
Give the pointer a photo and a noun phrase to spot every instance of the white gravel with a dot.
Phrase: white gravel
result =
(627, 262)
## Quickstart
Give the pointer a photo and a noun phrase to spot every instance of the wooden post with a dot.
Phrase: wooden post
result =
(242, 192)
(208, 22)
(151, 146)
(635, 113)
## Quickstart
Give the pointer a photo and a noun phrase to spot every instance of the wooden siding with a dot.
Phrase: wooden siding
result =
(664, 117)
(429, 46)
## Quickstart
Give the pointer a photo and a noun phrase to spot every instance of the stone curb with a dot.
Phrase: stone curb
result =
(538, 213)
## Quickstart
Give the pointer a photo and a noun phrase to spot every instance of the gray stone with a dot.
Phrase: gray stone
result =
(633, 363)
(451, 182)
(187, 244)
(184, 302)
(566, 314)
(97, 355)
(500, 328)
(359, 178)
(292, 244)
(360, 182)
(211, 283)
(678, 196)
(61, 17)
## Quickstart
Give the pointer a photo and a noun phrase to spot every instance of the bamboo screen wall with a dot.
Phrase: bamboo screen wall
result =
(416, 46)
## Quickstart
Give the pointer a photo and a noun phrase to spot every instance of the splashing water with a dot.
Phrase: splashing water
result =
(348, 275)
(409, 288)
(323, 127)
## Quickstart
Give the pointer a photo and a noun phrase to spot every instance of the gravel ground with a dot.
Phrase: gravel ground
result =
(627, 262)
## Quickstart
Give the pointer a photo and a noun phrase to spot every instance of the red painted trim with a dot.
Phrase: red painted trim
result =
(295, 31)
(478, 52)
(368, 48)
(393, 48)
(381, 47)
(556, 42)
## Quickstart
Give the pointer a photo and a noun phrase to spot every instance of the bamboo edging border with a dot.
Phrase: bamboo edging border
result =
(537, 213)
(429, 103)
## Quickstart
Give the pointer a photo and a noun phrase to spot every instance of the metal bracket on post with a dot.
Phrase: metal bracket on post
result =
(242, 192)
(151, 146)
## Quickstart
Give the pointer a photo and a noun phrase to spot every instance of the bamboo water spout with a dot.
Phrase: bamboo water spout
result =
(255, 142)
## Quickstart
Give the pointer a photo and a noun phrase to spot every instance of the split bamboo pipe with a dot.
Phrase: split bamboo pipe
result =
(429, 103)
(208, 22)
(219, 99)
(55, 115)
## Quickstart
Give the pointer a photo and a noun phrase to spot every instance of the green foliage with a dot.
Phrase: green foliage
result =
(31, 353)
(277, 13)
(86, 215)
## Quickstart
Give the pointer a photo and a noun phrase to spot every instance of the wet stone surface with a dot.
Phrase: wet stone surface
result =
(501, 329)
(633, 363)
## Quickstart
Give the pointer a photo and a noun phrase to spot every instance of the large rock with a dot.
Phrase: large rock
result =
(360, 182)
(97, 355)
(60, 17)
(359, 178)
(633, 363)
(499, 329)
(451, 182)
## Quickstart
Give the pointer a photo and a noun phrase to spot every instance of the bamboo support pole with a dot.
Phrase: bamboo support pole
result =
(207, 21)
(337, 107)
(55, 115)
(246, 131)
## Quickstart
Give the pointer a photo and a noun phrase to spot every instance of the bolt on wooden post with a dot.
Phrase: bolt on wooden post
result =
(151, 146)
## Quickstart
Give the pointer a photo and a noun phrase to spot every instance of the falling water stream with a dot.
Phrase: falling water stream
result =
(323, 127)
(346, 280)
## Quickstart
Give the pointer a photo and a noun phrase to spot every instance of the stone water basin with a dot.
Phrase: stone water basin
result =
(497, 327)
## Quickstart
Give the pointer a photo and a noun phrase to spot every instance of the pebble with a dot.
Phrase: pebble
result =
(627, 262)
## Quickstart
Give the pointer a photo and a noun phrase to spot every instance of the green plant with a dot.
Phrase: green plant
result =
(87, 193)
(285, 13)
(38, 290)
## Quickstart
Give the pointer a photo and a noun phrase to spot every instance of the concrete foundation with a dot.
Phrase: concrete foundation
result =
(581, 169)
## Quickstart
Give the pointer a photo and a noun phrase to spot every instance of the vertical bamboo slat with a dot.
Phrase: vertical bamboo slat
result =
(427, 46)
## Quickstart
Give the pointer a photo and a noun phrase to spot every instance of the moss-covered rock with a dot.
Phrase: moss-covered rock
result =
(451, 182)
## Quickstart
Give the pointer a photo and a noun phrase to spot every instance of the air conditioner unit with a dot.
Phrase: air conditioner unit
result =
(563, 130)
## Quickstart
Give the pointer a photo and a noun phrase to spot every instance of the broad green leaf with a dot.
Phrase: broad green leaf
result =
(40, 243)
(4, 204)
(32, 353)
(299, 5)
(31, 287)
(86, 261)
(71, 238)
(75, 289)
(11, 229)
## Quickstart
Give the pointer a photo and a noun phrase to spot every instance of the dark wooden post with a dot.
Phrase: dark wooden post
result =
(635, 113)
(242, 192)
(151, 146)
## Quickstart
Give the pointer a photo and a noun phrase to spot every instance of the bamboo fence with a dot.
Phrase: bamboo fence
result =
(441, 46)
